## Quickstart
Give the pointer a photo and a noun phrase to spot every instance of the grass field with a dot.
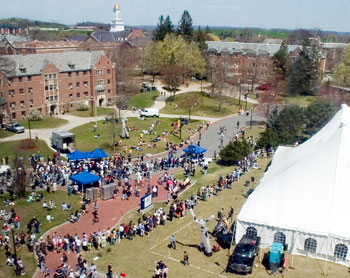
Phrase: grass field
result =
(300, 100)
(26, 212)
(143, 100)
(85, 141)
(209, 107)
(155, 247)
(46, 122)
(4, 133)
(10, 148)
(101, 111)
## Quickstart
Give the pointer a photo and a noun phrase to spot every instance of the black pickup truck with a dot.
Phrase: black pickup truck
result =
(242, 259)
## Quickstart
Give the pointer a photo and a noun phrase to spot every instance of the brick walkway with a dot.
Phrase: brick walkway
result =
(110, 213)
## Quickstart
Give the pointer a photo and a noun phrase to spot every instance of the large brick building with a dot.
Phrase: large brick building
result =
(253, 61)
(56, 82)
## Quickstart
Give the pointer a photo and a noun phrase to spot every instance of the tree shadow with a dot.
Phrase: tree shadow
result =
(188, 245)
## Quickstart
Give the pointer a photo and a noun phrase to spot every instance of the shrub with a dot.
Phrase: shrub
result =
(234, 152)
(82, 107)
(35, 115)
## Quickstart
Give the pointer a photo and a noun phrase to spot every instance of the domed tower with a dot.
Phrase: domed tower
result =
(117, 24)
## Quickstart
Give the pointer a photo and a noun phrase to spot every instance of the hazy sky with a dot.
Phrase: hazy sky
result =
(324, 14)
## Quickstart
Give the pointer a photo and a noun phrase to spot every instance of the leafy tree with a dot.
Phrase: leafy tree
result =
(234, 152)
(152, 59)
(267, 102)
(280, 60)
(185, 27)
(200, 37)
(164, 27)
(305, 71)
(318, 114)
(172, 77)
(342, 70)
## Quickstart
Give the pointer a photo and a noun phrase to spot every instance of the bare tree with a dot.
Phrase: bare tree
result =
(190, 102)
(7, 66)
(19, 181)
(172, 77)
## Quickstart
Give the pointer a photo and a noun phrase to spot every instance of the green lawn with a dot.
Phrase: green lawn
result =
(155, 246)
(10, 148)
(300, 100)
(4, 133)
(46, 122)
(143, 100)
(26, 212)
(85, 140)
(209, 107)
(101, 111)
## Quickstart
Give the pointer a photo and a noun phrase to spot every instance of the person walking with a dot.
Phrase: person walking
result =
(173, 241)
(186, 261)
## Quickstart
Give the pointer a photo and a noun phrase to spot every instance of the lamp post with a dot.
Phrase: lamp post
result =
(251, 118)
(13, 227)
(246, 101)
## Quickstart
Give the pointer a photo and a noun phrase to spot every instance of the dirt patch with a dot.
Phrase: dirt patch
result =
(27, 145)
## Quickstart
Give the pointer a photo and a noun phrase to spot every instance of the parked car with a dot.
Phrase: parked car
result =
(14, 127)
(242, 259)
(149, 112)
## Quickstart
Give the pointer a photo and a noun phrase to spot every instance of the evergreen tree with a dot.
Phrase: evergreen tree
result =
(164, 27)
(280, 60)
(305, 72)
(199, 37)
(234, 152)
(185, 27)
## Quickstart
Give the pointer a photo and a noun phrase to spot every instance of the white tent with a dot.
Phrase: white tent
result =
(303, 200)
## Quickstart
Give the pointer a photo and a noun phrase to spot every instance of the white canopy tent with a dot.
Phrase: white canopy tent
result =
(303, 200)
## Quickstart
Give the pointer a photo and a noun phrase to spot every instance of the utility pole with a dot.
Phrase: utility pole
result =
(180, 127)
(251, 118)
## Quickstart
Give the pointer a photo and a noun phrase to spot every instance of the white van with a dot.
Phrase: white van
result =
(149, 112)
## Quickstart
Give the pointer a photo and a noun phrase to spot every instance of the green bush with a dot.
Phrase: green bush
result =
(234, 152)
(35, 115)
(82, 107)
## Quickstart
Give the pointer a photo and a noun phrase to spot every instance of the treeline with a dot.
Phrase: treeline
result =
(24, 23)
(257, 35)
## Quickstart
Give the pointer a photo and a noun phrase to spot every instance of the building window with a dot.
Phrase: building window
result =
(69, 74)
(23, 113)
(30, 90)
(279, 237)
(78, 95)
(251, 231)
(77, 73)
(84, 72)
(109, 91)
(77, 84)
(20, 79)
(31, 102)
(70, 96)
(10, 80)
(108, 71)
(86, 94)
(108, 81)
(99, 72)
(29, 78)
(86, 84)
(340, 251)
(70, 85)
(12, 104)
(21, 91)
(22, 103)
(100, 82)
(13, 114)
(310, 245)
(11, 93)
(50, 76)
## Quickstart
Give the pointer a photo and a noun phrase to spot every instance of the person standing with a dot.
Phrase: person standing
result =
(110, 271)
(173, 241)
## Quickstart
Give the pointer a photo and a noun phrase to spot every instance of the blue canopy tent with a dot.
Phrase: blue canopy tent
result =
(84, 178)
(96, 154)
(77, 155)
(194, 149)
